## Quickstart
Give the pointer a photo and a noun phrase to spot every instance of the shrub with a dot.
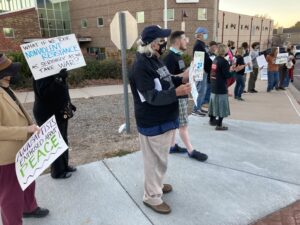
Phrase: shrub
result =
(19, 57)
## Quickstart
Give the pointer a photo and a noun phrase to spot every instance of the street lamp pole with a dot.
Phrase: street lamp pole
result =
(166, 14)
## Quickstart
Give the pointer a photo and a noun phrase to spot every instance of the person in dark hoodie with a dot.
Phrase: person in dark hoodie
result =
(201, 34)
(52, 98)
(155, 92)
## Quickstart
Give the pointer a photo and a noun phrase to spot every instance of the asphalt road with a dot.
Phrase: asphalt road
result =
(297, 75)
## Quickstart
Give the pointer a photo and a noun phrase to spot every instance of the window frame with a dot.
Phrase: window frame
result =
(98, 25)
(81, 23)
(198, 14)
(13, 32)
(137, 18)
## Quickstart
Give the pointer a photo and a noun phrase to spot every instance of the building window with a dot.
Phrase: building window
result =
(170, 14)
(226, 26)
(9, 32)
(202, 14)
(100, 22)
(242, 27)
(84, 23)
(140, 17)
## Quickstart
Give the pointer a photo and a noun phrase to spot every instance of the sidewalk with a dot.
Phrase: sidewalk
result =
(253, 171)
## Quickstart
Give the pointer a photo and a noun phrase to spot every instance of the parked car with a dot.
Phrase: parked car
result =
(297, 49)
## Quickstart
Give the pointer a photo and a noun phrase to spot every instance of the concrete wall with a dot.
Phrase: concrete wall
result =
(25, 24)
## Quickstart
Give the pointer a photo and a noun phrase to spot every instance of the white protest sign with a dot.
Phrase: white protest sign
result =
(39, 152)
(282, 58)
(48, 57)
(264, 73)
(249, 68)
(197, 68)
(194, 91)
(261, 61)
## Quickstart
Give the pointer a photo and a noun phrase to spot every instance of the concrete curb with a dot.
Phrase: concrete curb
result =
(294, 92)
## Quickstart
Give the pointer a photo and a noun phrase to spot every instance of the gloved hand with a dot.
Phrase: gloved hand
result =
(73, 107)
(63, 74)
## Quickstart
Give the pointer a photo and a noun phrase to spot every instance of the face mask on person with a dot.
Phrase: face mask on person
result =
(162, 48)
(257, 48)
(205, 36)
(232, 48)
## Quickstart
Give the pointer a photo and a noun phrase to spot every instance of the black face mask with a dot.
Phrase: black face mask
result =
(232, 48)
(162, 48)
(15, 79)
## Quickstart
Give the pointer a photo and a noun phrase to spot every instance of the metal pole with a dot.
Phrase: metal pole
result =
(166, 13)
(123, 40)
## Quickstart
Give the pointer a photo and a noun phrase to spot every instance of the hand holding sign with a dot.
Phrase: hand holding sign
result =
(43, 148)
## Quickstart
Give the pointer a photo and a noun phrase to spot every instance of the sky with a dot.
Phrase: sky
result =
(284, 12)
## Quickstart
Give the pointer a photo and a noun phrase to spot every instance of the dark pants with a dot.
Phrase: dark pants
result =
(283, 73)
(239, 86)
(252, 79)
(13, 201)
(60, 165)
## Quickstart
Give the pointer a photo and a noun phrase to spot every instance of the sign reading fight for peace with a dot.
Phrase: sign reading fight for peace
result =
(48, 57)
(39, 152)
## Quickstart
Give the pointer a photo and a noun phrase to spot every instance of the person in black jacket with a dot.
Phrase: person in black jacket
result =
(201, 35)
(219, 104)
(176, 66)
(52, 98)
(155, 92)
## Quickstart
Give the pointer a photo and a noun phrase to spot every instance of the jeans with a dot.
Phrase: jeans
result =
(273, 79)
(239, 86)
(201, 88)
(207, 95)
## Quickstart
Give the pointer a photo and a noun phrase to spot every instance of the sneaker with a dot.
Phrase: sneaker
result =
(37, 213)
(167, 188)
(205, 106)
(221, 128)
(163, 208)
(198, 156)
(241, 99)
(281, 88)
(198, 113)
(255, 91)
(177, 149)
(204, 111)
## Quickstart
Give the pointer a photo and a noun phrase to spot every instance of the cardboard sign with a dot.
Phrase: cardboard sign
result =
(248, 69)
(261, 61)
(282, 58)
(197, 68)
(48, 57)
(39, 152)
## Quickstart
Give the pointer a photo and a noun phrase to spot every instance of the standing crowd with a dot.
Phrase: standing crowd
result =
(160, 87)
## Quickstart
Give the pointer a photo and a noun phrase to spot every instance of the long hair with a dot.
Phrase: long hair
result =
(221, 50)
(147, 49)
(274, 51)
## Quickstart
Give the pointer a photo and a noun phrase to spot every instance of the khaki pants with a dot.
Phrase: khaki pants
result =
(155, 154)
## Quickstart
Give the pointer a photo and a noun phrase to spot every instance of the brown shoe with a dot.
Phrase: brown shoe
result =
(163, 208)
(167, 188)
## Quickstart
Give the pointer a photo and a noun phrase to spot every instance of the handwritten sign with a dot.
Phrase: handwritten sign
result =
(249, 68)
(197, 68)
(194, 91)
(282, 58)
(48, 56)
(39, 152)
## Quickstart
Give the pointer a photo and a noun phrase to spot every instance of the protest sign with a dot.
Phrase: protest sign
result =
(197, 68)
(264, 73)
(49, 56)
(194, 91)
(248, 68)
(282, 58)
(39, 152)
(261, 61)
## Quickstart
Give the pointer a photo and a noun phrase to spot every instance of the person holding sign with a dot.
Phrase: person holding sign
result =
(240, 74)
(52, 98)
(16, 127)
(273, 68)
(201, 34)
(155, 92)
(219, 104)
(253, 75)
(176, 66)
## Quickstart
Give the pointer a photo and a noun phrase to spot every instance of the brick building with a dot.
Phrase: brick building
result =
(243, 28)
(91, 19)
(18, 27)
